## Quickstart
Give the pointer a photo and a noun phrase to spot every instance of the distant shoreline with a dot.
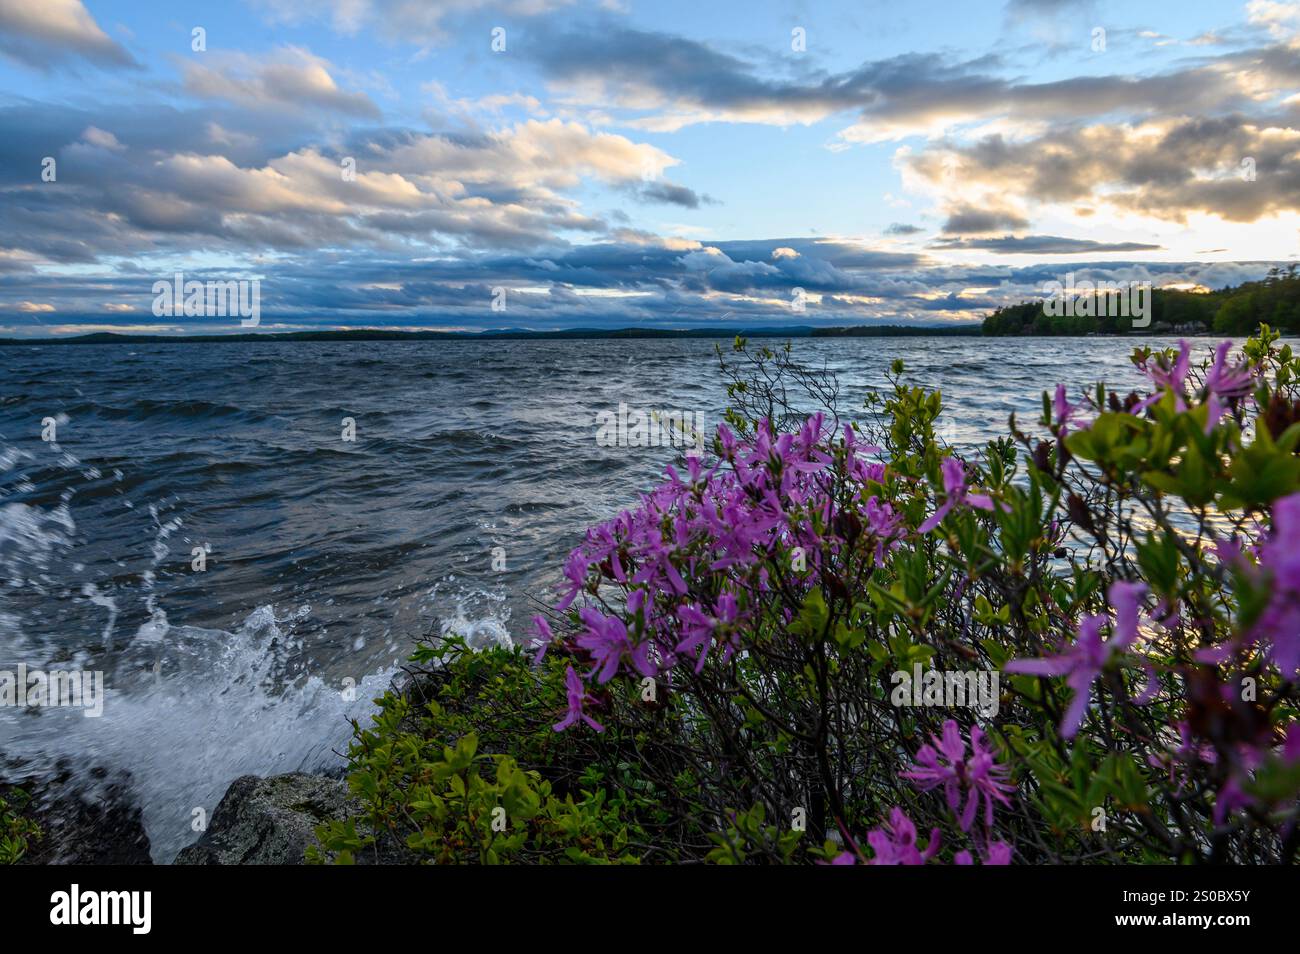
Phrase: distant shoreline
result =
(862, 331)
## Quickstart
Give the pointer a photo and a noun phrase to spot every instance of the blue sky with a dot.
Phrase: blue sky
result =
(631, 163)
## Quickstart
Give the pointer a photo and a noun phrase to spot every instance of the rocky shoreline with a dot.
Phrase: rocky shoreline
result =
(259, 821)
(269, 821)
(82, 822)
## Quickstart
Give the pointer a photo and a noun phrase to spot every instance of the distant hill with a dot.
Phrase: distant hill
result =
(1235, 310)
(378, 334)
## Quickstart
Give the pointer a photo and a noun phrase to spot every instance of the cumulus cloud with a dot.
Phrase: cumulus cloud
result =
(1279, 19)
(1232, 167)
(290, 79)
(679, 81)
(41, 33)
(614, 284)
(505, 189)
(95, 136)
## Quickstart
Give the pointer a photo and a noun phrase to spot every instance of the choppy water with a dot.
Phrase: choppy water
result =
(328, 557)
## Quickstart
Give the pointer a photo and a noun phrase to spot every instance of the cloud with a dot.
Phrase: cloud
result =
(1233, 167)
(663, 82)
(1279, 19)
(605, 284)
(967, 221)
(839, 253)
(524, 157)
(679, 81)
(291, 79)
(933, 99)
(529, 175)
(125, 193)
(1042, 245)
(672, 194)
(95, 136)
(410, 21)
(41, 33)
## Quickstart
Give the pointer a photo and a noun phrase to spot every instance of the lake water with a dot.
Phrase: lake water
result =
(475, 468)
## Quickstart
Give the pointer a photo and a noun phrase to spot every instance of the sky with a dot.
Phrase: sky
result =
(543, 164)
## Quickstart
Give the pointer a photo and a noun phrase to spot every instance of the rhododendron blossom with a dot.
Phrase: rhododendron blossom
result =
(894, 843)
(1224, 385)
(1083, 662)
(1279, 556)
(769, 498)
(954, 486)
(998, 853)
(980, 777)
(1169, 378)
(1066, 413)
(577, 697)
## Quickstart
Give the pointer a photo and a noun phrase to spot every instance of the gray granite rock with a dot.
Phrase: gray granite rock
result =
(268, 821)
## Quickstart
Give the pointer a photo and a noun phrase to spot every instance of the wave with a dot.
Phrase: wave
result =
(188, 710)
(148, 409)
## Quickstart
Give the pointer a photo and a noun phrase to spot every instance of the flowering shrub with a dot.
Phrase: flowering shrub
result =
(1132, 574)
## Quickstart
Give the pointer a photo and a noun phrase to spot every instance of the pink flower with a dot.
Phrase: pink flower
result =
(861, 470)
(980, 776)
(1230, 798)
(698, 629)
(544, 637)
(883, 524)
(577, 693)
(1066, 413)
(1225, 384)
(575, 571)
(1126, 599)
(998, 853)
(1250, 759)
(1083, 662)
(607, 642)
(1168, 377)
(1279, 556)
(895, 843)
(954, 485)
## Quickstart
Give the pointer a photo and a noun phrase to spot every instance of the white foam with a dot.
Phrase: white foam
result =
(189, 710)
(480, 617)
(186, 710)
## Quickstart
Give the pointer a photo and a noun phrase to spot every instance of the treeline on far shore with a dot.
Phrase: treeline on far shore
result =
(1235, 310)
